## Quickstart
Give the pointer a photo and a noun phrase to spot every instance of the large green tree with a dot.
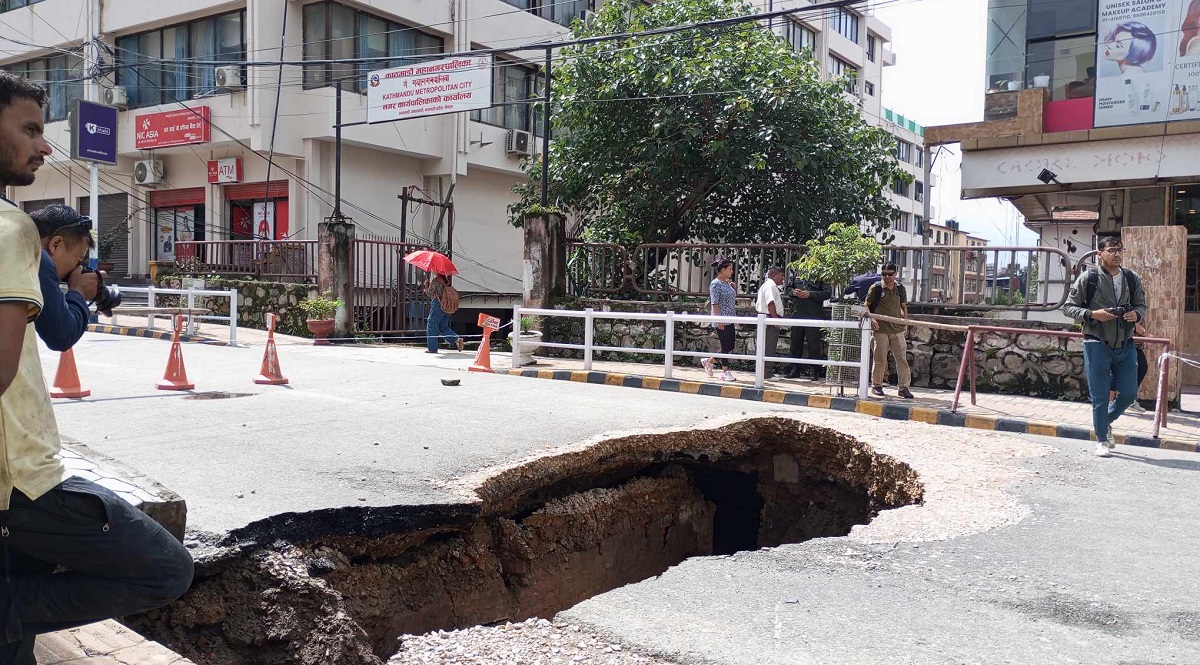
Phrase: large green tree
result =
(721, 135)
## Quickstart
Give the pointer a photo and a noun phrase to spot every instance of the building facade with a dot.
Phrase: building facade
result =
(1092, 127)
(271, 128)
(955, 274)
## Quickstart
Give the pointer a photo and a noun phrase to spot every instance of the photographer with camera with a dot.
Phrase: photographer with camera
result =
(66, 239)
(118, 561)
(1108, 301)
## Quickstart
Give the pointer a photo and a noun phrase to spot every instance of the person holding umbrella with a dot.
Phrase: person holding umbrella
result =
(444, 298)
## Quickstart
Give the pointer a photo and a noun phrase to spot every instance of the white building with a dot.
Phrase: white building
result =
(286, 111)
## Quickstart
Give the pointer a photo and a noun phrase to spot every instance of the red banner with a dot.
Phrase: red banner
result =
(171, 128)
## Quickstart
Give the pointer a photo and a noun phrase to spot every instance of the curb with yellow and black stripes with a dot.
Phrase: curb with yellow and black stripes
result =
(147, 333)
(888, 410)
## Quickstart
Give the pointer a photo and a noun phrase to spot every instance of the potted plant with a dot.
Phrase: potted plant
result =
(318, 314)
(531, 339)
(840, 254)
(1001, 85)
(106, 244)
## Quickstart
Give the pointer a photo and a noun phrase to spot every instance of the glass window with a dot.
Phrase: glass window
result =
(900, 188)
(513, 86)
(871, 47)
(846, 23)
(869, 88)
(1059, 18)
(801, 38)
(9, 5)
(214, 38)
(61, 76)
(903, 151)
(919, 157)
(904, 223)
(839, 68)
(918, 191)
(1068, 62)
(337, 32)
(562, 12)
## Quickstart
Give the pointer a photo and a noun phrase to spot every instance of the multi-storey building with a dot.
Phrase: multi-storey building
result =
(1091, 127)
(161, 186)
(955, 273)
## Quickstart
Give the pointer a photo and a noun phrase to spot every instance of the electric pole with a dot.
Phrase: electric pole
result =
(93, 95)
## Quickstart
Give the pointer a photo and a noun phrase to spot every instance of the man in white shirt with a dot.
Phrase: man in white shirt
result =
(770, 302)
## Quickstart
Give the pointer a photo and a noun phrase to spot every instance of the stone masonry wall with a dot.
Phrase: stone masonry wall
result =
(1024, 364)
(255, 300)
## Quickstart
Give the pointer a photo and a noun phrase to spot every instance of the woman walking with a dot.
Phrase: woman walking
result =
(723, 299)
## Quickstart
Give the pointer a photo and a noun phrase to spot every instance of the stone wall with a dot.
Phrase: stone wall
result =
(255, 300)
(1024, 364)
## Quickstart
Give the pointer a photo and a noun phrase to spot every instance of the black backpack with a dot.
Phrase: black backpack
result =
(1093, 282)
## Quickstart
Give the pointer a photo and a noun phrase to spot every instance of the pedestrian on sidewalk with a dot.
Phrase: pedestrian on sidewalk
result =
(444, 302)
(1109, 301)
(770, 302)
(722, 298)
(887, 298)
(807, 298)
(118, 561)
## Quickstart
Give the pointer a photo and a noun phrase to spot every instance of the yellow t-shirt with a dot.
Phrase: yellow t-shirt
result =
(29, 439)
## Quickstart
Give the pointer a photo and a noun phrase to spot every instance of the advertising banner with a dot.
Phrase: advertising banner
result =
(224, 171)
(170, 128)
(94, 132)
(1147, 61)
(429, 88)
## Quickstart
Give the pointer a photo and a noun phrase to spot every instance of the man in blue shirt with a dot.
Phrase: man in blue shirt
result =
(66, 240)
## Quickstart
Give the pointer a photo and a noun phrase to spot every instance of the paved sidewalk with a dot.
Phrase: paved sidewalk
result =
(103, 643)
(1013, 413)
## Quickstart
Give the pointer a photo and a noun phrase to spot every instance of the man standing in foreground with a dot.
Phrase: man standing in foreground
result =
(1108, 301)
(770, 302)
(118, 561)
(887, 298)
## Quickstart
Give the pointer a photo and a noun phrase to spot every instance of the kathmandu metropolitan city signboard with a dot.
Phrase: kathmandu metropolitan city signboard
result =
(1147, 61)
(429, 88)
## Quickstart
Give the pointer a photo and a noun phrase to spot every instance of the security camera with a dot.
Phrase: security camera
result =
(1047, 176)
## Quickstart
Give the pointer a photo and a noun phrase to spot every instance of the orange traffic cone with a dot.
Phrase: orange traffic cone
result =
(66, 379)
(175, 377)
(270, 374)
(483, 359)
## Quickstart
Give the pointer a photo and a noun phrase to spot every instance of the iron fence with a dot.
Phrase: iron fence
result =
(273, 260)
(388, 293)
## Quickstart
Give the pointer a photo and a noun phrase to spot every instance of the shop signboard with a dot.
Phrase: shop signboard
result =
(429, 88)
(1147, 62)
(264, 220)
(225, 171)
(171, 128)
(94, 132)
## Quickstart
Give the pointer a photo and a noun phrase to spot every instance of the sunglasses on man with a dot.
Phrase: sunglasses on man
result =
(84, 222)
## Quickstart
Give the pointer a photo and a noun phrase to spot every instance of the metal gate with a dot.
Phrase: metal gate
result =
(388, 295)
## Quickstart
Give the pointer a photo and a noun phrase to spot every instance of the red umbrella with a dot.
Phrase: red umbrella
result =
(431, 261)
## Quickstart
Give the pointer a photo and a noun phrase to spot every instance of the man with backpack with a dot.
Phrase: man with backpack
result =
(887, 298)
(445, 303)
(1109, 301)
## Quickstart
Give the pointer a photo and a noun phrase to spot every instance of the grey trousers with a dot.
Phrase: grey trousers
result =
(118, 561)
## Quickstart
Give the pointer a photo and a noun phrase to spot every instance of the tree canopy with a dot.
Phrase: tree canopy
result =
(719, 135)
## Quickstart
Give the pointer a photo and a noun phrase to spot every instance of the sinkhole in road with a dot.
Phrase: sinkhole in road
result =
(338, 587)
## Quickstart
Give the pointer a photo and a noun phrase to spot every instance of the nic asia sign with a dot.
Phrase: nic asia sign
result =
(171, 128)
(429, 88)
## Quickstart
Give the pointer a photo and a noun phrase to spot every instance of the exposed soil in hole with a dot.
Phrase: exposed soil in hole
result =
(340, 586)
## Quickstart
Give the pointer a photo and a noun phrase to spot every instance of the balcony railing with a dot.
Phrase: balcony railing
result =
(278, 260)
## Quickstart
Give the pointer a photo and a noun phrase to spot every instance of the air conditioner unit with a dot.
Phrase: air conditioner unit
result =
(148, 173)
(519, 142)
(585, 16)
(229, 78)
(117, 96)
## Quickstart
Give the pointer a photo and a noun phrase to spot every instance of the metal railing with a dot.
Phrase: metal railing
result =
(291, 260)
(948, 277)
(152, 292)
(670, 353)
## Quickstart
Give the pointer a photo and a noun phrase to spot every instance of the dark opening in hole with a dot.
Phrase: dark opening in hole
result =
(550, 534)
(218, 394)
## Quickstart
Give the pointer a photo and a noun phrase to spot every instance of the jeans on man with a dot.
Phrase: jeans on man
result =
(438, 325)
(898, 345)
(118, 561)
(805, 342)
(1107, 368)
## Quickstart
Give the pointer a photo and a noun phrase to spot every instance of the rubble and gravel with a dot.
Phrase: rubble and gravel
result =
(531, 642)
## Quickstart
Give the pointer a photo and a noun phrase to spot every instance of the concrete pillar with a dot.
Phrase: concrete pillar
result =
(335, 271)
(536, 277)
(1158, 254)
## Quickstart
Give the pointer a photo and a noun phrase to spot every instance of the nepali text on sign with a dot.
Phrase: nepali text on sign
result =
(429, 88)
(169, 128)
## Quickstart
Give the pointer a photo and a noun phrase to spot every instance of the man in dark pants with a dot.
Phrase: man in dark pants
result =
(66, 239)
(807, 301)
(117, 560)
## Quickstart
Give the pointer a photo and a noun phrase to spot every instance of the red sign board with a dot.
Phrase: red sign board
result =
(170, 128)
(489, 322)
(221, 171)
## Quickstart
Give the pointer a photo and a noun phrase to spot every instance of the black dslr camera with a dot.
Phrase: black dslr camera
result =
(107, 297)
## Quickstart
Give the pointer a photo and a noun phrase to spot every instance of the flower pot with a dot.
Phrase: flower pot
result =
(105, 266)
(1041, 81)
(320, 328)
(530, 341)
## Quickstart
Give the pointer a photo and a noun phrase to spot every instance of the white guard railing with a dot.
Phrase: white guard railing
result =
(152, 291)
(669, 351)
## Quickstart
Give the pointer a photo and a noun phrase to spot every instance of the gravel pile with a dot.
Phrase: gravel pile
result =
(532, 642)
